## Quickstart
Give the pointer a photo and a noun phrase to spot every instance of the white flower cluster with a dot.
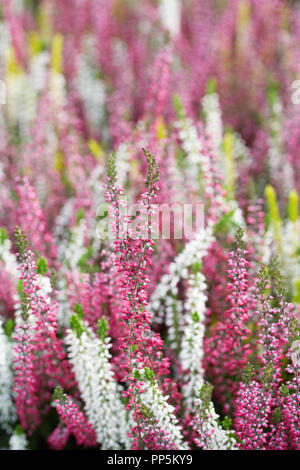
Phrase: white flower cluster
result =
(240, 150)
(237, 216)
(18, 441)
(289, 246)
(58, 92)
(90, 358)
(7, 407)
(64, 309)
(213, 118)
(8, 258)
(191, 352)
(70, 252)
(216, 438)
(164, 298)
(157, 403)
(192, 146)
(276, 156)
(268, 246)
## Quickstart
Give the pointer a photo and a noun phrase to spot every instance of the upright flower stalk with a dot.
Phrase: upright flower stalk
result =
(99, 390)
(74, 419)
(25, 379)
(133, 249)
(45, 366)
(229, 344)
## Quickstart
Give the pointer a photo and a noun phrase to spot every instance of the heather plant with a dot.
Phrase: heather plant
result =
(124, 322)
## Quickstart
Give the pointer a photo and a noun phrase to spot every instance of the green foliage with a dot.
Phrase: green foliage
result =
(296, 298)
(76, 325)
(42, 265)
(78, 308)
(9, 327)
(149, 374)
(20, 287)
(196, 267)
(211, 86)
(178, 107)
(267, 376)
(272, 203)
(278, 289)
(277, 416)
(25, 308)
(58, 394)
(274, 216)
(103, 216)
(293, 206)
(238, 240)
(80, 215)
(294, 329)
(225, 223)
(83, 261)
(272, 93)
(111, 168)
(228, 149)
(249, 373)
(3, 235)
(102, 328)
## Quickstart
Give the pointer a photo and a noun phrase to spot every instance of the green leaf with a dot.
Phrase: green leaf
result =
(211, 86)
(42, 265)
(80, 215)
(178, 107)
(3, 234)
(9, 327)
(102, 328)
(78, 308)
(76, 325)
(19, 430)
